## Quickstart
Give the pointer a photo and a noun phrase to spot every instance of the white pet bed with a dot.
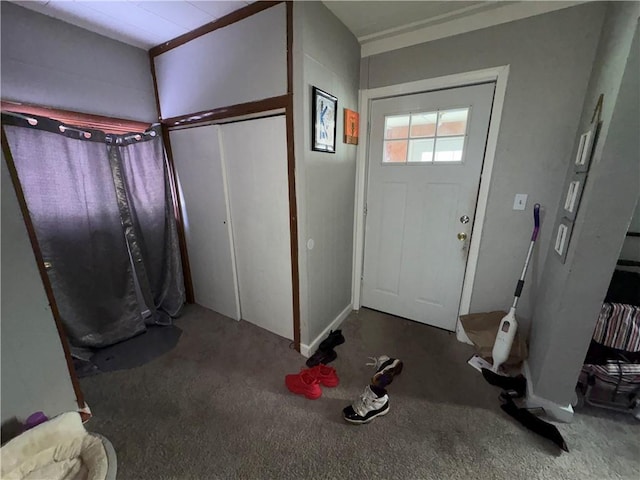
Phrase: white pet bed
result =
(60, 449)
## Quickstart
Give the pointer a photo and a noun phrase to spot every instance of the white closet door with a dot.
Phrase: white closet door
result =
(201, 184)
(255, 156)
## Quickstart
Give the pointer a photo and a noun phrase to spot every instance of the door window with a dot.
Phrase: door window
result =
(426, 137)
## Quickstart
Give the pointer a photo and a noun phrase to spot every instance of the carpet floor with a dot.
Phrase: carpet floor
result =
(216, 407)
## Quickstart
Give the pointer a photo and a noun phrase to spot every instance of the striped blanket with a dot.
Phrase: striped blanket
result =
(618, 327)
(626, 376)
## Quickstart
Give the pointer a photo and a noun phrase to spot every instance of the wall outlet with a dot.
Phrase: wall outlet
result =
(520, 202)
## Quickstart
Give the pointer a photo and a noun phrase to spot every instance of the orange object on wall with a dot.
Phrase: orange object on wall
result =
(351, 126)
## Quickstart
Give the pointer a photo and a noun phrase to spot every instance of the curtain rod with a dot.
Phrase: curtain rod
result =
(34, 121)
(63, 128)
(81, 120)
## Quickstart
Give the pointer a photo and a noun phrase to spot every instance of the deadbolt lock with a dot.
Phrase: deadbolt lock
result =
(462, 236)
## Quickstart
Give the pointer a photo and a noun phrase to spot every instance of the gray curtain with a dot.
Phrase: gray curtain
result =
(101, 211)
(146, 182)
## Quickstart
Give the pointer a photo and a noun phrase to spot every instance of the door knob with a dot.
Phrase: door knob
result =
(462, 236)
(464, 219)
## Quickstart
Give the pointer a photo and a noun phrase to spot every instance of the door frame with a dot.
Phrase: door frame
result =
(499, 75)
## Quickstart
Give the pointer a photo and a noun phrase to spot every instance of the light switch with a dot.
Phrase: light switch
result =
(520, 202)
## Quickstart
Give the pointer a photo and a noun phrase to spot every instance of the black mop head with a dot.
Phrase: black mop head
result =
(517, 385)
(533, 423)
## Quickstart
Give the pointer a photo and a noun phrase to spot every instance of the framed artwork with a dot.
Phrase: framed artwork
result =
(562, 237)
(573, 194)
(324, 108)
(351, 126)
(585, 149)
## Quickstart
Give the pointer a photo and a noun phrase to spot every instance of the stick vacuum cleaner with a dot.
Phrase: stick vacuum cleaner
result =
(509, 324)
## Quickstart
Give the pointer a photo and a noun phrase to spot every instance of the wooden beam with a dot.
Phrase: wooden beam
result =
(78, 119)
(291, 170)
(225, 21)
(258, 106)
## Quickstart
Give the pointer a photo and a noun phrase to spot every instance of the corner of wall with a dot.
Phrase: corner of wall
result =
(326, 55)
(573, 292)
(300, 172)
(561, 413)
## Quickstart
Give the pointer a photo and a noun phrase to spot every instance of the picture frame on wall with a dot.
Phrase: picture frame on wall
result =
(561, 239)
(585, 149)
(573, 194)
(351, 127)
(323, 121)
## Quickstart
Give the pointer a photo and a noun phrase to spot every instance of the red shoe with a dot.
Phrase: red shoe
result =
(327, 376)
(303, 383)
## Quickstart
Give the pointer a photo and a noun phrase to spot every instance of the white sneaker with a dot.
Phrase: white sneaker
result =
(366, 407)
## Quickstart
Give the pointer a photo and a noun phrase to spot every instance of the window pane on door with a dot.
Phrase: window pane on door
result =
(396, 126)
(425, 137)
(421, 150)
(424, 124)
(449, 149)
(452, 122)
(395, 151)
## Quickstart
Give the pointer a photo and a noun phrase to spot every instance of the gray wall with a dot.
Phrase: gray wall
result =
(189, 82)
(326, 55)
(34, 372)
(550, 57)
(571, 294)
(51, 63)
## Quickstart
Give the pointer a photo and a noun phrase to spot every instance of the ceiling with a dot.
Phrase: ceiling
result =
(366, 19)
(143, 24)
(146, 24)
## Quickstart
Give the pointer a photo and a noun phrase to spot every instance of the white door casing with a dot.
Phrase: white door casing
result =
(414, 263)
(255, 158)
(201, 183)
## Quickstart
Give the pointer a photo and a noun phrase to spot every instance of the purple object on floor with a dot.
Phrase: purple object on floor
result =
(34, 420)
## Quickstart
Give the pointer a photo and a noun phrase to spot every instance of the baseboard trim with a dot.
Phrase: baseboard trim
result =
(461, 335)
(308, 350)
(561, 413)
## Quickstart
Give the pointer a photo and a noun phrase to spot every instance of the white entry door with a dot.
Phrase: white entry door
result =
(255, 157)
(425, 158)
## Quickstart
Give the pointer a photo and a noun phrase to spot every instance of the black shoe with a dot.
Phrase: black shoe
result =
(323, 357)
(386, 369)
(334, 339)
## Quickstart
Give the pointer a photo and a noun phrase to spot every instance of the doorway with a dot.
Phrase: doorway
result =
(424, 157)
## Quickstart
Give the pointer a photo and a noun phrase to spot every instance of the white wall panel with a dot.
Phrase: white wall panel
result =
(243, 62)
(255, 156)
(200, 179)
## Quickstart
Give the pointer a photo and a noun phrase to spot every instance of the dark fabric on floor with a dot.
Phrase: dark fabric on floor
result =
(135, 352)
(216, 406)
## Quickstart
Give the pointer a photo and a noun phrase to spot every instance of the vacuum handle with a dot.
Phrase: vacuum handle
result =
(536, 221)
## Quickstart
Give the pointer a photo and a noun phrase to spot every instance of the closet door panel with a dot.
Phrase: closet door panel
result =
(201, 185)
(255, 157)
